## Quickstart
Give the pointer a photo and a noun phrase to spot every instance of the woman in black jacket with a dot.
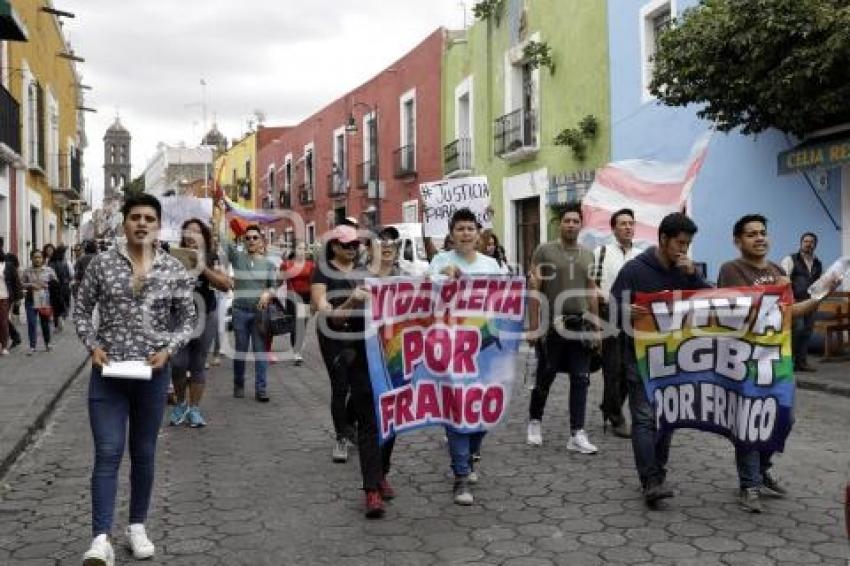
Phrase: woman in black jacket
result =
(12, 294)
(60, 291)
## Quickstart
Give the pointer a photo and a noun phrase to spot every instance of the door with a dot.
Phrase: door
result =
(528, 230)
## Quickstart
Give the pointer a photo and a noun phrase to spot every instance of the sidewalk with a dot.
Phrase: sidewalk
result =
(830, 377)
(30, 387)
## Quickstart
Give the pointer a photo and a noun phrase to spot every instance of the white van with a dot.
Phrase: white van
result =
(412, 257)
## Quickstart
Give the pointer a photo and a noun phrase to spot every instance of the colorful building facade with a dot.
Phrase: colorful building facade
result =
(41, 130)
(236, 171)
(364, 154)
(741, 174)
(504, 106)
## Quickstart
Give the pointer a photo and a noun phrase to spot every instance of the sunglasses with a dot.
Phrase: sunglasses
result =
(353, 245)
(388, 242)
(252, 238)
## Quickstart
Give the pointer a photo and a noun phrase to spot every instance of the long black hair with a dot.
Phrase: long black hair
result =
(207, 235)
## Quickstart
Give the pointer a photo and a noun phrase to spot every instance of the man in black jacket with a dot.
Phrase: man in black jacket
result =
(665, 267)
(803, 268)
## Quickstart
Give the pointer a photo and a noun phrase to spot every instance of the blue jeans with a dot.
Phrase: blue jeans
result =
(33, 320)
(246, 330)
(112, 404)
(752, 465)
(651, 449)
(462, 445)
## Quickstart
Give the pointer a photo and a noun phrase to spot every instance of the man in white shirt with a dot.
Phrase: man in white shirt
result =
(608, 260)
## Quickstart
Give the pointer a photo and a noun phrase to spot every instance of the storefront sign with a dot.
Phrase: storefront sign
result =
(814, 156)
(569, 188)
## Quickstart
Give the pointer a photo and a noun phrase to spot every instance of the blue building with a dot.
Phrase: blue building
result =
(741, 173)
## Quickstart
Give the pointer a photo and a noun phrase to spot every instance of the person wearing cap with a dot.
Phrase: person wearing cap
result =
(333, 282)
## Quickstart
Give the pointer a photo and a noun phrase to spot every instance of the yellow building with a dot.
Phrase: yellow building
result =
(236, 171)
(41, 128)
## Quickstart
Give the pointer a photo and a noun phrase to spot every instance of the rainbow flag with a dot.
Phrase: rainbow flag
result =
(719, 360)
(249, 215)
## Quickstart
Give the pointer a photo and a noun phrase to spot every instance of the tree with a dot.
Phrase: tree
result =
(759, 64)
(135, 187)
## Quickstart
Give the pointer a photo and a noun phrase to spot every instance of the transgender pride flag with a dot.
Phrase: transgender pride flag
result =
(653, 189)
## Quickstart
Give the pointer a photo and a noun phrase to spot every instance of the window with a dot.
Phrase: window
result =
(655, 17)
(517, 133)
(410, 211)
(311, 233)
(369, 137)
(32, 123)
(407, 113)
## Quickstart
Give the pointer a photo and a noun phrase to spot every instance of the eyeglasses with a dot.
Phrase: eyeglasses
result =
(353, 245)
(388, 242)
(252, 238)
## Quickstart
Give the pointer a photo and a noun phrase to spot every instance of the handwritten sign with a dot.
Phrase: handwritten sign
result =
(442, 198)
(443, 353)
(177, 210)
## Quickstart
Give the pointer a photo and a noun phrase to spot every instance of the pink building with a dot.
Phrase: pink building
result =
(385, 133)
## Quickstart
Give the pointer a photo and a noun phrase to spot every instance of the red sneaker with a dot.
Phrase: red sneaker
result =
(374, 504)
(386, 490)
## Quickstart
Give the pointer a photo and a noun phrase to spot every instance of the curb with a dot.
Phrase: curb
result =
(814, 385)
(37, 425)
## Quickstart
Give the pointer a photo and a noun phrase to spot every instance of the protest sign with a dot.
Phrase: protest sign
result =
(176, 210)
(442, 352)
(719, 360)
(441, 199)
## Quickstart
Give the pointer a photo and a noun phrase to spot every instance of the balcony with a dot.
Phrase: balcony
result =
(365, 174)
(305, 194)
(336, 185)
(10, 121)
(404, 159)
(286, 199)
(516, 135)
(457, 158)
(66, 185)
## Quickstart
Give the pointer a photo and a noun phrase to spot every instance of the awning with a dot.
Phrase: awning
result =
(817, 153)
(11, 26)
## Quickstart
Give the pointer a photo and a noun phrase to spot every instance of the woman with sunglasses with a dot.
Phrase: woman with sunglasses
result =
(335, 278)
(191, 359)
(339, 297)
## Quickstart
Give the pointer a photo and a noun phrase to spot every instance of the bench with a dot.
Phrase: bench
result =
(832, 322)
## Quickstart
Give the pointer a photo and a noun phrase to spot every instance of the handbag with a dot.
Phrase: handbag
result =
(46, 312)
(274, 320)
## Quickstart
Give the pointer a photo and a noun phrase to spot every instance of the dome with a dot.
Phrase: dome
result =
(214, 138)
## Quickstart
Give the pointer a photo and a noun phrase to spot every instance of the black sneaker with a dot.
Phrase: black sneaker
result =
(238, 391)
(656, 491)
(773, 487)
(262, 396)
(748, 500)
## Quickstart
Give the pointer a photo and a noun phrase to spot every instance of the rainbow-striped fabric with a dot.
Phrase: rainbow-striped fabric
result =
(719, 360)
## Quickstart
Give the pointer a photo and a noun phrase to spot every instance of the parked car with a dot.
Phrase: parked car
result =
(413, 260)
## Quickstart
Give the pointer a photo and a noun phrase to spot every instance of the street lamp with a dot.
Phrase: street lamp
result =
(351, 129)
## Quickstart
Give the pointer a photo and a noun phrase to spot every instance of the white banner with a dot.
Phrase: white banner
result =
(442, 198)
(177, 210)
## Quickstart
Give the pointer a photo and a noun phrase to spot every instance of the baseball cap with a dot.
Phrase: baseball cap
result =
(343, 234)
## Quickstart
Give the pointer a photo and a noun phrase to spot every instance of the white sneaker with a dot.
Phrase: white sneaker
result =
(299, 359)
(140, 544)
(4, 352)
(100, 553)
(472, 477)
(535, 433)
(579, 443)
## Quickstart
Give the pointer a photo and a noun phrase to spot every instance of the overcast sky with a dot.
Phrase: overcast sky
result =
(287, 58)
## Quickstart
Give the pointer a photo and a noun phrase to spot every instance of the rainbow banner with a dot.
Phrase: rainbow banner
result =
(249, 215)
(443, 352)
(719, 360)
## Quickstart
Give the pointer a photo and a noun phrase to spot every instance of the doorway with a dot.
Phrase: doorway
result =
(528, 230)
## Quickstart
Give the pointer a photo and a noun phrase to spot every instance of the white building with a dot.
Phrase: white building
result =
(172, 166)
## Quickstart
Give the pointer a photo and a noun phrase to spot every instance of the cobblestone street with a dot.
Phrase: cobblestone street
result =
(257, 486)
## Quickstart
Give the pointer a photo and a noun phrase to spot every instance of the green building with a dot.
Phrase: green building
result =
(511, 83)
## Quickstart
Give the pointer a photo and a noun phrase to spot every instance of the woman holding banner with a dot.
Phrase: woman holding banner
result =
(339, 296)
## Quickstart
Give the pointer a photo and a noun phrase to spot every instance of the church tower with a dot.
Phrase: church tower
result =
(116, 160)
